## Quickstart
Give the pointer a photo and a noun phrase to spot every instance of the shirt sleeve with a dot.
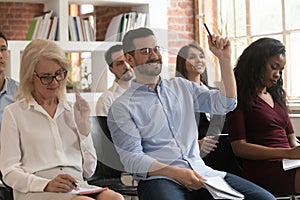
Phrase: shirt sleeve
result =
(10, 157)
(127, 141)
(103, 104)
(236, 124)
(88, 154)
(211, 101)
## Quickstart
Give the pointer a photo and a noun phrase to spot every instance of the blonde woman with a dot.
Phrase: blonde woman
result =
(46, 148)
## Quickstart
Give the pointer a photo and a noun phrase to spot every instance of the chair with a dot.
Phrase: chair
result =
(223, 157)
(6, 192)
(109, 167)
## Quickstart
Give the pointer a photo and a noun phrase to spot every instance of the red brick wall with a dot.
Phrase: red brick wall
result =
(104, 16)
(181, 28)
(15, 18)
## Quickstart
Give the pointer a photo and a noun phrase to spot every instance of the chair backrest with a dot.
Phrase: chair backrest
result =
(6, 192)
(109, 164)
(223, 157)
(103, 124)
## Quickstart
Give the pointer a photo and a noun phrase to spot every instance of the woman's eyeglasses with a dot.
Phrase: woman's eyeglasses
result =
(47, 79)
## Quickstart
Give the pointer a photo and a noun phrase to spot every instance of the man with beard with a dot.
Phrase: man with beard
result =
(154, 129)
(115, 59)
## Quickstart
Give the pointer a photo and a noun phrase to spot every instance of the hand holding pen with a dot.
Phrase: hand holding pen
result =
(218, 45)
(62, 183)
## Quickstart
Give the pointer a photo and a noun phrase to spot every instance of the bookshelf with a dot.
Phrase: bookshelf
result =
(101, 78)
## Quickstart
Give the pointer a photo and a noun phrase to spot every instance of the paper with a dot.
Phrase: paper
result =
(91, 189)
(290, 164)
(219, 189)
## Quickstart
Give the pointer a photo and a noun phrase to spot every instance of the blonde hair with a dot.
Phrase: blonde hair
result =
(36, 51)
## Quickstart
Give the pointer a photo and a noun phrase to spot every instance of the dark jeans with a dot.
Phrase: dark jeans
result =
(165, 189)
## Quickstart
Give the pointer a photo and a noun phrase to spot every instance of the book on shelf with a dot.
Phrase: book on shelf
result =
(52, 35)
(113, 29)
(40, 26)
(72, 29)
(80, 28)
(31, 29)
(288, 164)
(219, 189)
(120, 24)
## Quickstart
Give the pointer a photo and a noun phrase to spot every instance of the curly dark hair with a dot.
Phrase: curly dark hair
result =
(251, 67)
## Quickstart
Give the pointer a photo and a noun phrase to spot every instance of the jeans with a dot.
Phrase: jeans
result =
(164, 189)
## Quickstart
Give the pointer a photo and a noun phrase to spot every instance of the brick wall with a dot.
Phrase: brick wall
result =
(180, 27)
(15, 18)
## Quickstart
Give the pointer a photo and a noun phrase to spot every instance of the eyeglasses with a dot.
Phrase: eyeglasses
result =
(46, 79)
(148, 51)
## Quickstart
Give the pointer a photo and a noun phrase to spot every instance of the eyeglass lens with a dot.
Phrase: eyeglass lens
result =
(147, 51)
(58, 76)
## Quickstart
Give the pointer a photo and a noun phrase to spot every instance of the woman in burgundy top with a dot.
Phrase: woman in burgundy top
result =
(259, 128)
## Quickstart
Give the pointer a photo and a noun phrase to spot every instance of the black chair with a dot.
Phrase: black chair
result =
(223, 157)
(109, 169)
(6, 192)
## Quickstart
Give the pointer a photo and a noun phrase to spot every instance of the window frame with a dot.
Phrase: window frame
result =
(210, 12)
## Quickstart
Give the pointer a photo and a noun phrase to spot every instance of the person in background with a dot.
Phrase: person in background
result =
(215, 150)
(46, 145)
(191, 64)
(260, 129)
(117, 65)
(154, 131)
(8, 88)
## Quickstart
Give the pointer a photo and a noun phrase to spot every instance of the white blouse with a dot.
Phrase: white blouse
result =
(33, 142)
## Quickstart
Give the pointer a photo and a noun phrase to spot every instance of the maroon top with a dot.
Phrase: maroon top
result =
(261, 124)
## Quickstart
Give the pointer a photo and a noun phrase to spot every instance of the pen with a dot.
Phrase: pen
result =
(74, 184)
(206, 28)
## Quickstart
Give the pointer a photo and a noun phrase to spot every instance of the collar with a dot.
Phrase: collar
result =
(5, 86)
(142, 87)
(62, 105)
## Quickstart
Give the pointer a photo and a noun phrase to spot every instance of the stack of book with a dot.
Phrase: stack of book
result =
(81, 28)
(122, 23)
(43, 26)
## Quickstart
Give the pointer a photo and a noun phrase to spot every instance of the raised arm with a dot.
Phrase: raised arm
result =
(221, 48)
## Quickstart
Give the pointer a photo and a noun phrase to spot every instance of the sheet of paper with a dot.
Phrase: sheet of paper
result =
(219, 189)
(88, 190)
(290, 164)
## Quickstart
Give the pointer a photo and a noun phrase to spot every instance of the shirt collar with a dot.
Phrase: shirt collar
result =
(61, 105)
(138, 86)
(5, 86)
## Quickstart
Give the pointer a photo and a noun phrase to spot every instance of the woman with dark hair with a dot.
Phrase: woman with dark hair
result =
(259, 128)
(216, 152)
(191, 65)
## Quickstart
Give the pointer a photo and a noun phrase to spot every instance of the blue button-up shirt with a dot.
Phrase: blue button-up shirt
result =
(7, 94)
(148, 125)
